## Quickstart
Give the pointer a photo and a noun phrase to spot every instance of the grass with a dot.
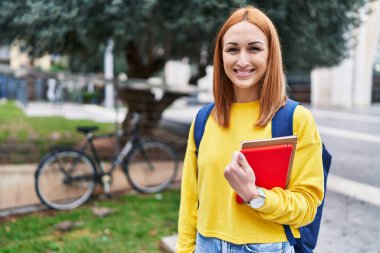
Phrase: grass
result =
(15, 125)
(28, 138)
(137, 224)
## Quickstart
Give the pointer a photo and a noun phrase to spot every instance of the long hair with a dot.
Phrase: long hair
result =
(272, 87)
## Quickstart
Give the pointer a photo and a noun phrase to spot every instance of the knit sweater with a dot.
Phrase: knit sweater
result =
(208, 204)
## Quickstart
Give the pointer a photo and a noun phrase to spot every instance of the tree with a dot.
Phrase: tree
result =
(314, 33)
(149, 32)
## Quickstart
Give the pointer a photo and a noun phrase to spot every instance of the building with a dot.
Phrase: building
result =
(11, 56)
(355, 82)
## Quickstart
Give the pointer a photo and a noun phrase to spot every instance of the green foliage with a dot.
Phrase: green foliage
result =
(137, 225)
(92, 97)
(26, 139)
(58, 67)
(314, 33)
(16, 126)
(147, 33)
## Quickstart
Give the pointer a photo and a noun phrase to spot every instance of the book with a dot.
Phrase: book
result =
(271, 160)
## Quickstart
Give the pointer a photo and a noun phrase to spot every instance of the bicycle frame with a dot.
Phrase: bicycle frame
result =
(81, 169)
(133, 141)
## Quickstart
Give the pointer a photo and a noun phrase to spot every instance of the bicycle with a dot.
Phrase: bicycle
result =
(66, 178)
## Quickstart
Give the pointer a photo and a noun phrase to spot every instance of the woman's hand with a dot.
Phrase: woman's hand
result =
(241, 177)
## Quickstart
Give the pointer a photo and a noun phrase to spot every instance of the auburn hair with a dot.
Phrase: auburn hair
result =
(272, 87)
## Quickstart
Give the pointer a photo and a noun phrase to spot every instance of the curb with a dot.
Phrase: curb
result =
(168, 243)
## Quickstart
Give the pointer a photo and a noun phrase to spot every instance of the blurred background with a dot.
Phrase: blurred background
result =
(69, 63)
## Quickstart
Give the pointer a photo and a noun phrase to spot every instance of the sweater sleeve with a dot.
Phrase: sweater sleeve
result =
(187, 221)
(297, 205)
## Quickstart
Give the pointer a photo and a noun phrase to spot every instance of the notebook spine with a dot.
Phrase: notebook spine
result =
(291, 164)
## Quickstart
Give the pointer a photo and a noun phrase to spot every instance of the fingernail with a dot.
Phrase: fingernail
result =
(241, 156)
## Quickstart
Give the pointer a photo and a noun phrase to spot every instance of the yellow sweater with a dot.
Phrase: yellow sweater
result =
(208, 202)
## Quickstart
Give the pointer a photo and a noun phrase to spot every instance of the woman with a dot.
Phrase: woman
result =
(249, 88)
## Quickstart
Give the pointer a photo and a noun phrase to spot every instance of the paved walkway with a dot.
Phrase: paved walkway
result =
(75, 111)
(179, 112)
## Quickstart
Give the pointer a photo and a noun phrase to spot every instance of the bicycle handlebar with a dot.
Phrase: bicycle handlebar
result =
(135, 119)
(88, 130)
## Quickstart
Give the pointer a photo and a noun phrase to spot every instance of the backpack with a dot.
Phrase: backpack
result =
(282, 125)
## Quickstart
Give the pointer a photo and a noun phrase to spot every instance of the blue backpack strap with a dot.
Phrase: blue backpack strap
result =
(282, 125)
(282, 122)
(200, 123)
(309, 233)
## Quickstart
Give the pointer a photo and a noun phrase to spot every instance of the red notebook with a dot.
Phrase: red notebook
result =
(271, 160)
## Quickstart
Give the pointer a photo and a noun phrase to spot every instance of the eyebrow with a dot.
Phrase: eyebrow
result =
(255, 42)
(250, 43)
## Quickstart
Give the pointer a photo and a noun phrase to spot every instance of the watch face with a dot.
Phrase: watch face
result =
(257, 202)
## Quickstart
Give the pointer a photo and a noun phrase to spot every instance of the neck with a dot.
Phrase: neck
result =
(245, 95)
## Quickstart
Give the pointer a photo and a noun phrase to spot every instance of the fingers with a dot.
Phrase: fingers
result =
(243, 163)
(238, 167)
(233, 169)
(235, 159)
(240, 176)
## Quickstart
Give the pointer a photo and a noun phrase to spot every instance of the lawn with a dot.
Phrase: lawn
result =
(137, 224)
(29, 138)
(15, 125)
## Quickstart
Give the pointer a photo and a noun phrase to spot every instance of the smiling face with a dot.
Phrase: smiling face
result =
(245, 54)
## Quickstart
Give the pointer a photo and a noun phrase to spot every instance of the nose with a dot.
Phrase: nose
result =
(243, 60)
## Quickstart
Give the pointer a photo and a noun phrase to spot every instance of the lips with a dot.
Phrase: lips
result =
(243, 72)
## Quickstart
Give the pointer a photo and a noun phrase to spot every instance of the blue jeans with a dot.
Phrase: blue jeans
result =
(214, 245)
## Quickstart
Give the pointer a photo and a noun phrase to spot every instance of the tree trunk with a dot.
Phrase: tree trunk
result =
(136, 67)
(200, 73)
(143, 102)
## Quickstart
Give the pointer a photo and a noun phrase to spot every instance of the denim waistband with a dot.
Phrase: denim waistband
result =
(215, 245)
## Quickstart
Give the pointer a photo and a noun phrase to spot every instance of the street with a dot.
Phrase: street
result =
(351, 221)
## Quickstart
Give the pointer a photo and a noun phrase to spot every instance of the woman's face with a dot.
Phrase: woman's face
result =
(245, 54)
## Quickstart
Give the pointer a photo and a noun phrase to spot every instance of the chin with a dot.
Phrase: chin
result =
(245, 84)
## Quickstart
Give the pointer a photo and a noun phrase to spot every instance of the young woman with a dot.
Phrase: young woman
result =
(249, 87)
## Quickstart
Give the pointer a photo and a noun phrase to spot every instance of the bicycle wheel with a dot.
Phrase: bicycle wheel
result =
(151, 167)
(65, 179)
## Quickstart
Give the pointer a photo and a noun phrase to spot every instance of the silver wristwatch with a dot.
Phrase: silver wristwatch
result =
(259, 200)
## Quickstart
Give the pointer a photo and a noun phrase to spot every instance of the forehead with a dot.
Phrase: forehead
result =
(244, 32)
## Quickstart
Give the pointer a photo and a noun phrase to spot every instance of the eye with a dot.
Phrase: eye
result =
(255, 49)
(232, 50)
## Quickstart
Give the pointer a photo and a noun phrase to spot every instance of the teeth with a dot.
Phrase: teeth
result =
(243, 73)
